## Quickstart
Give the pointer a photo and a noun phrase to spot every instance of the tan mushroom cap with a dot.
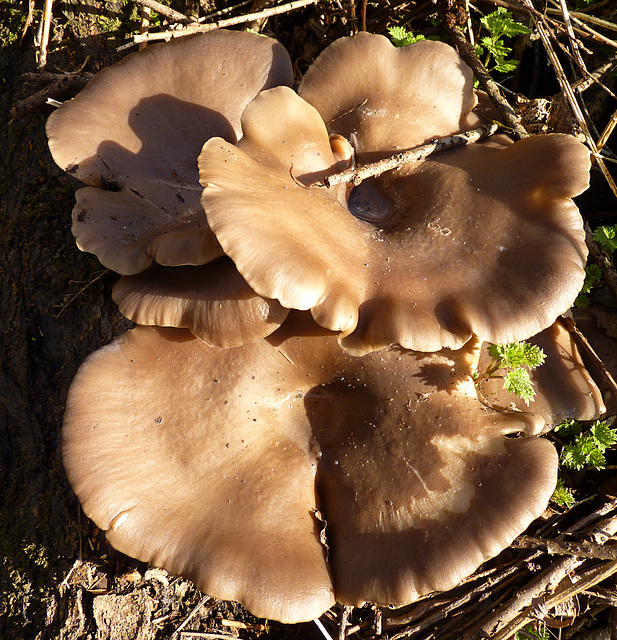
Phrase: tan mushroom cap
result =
(219, 475)
(480, 240)
(213, 301)
(564, 388)
(385, 98)
(604, 342)
(136, 130)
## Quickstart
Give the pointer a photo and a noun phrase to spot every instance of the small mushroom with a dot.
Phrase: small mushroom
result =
(564, 388)
(482, 240)
(134, 133)
(285, 474)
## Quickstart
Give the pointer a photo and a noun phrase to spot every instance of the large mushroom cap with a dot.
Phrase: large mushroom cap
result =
(386, 98)
(135, 132)
(480, 240)
(219, 475)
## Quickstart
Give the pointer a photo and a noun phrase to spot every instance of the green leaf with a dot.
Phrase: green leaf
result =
(562, 495)
(568, 428)
(603, 435)
(595, 458)
(401, 37)
(500, 23)
(606, 237)
(518, 354)
(573, 458)
(497, 49)
(518, 382)
(507, 66)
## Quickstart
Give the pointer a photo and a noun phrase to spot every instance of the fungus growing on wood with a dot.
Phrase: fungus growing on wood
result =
(285, 474)
(425, 256)
(134, 133)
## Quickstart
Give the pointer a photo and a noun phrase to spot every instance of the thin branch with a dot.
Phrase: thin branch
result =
(564, 548)
(539, 609)
(510, 618)
(174, 16)
(324, 631)
(586, 18)
(573, 41)
(468, 54)
(188, 618)
(61, 84)
(568, 92)
(583, 342)
(28, 21)
(608, 130)
(357, 175)
(249, 17)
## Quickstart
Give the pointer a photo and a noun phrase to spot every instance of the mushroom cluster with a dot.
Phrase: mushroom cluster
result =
(295, 420)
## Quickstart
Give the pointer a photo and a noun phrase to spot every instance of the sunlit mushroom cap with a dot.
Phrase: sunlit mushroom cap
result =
(481, 240)
(386, 99)
(285, 474)
(134, 133)
(564, 388)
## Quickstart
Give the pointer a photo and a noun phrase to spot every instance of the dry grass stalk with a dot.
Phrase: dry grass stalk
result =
(42, 58)
(568, 92)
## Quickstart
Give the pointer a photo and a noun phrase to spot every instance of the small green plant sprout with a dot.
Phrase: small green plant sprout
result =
(518, 358)
(593, 275)
(563, 495)
(401, 37)
(588, 447)
(533, 631)
(606, 237)
(499, 25)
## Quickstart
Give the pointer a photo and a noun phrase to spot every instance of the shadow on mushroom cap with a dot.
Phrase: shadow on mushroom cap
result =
(218, 476)
(134, 134)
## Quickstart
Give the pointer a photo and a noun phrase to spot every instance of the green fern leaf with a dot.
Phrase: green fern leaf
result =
(606, 237)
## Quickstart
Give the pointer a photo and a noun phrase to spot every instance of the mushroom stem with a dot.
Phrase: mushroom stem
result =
(356, 175)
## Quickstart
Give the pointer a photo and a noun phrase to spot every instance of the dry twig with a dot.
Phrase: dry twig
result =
(356, 175)
(195, 609)
(563, 548)
(174, 16)
(568, 92)
(60, 84)
(249, 17)
(526, 600)
(468, 54)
